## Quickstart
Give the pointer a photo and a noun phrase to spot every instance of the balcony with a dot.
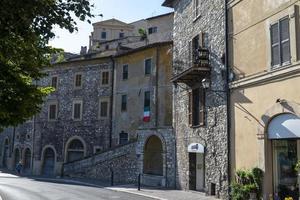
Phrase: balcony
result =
(199, 68)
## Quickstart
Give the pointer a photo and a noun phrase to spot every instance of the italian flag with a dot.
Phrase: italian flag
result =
(146, 117)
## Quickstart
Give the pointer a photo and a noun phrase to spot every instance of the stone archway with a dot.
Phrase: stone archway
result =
(75, 149)
(48, 164)
(153, 156)
(27, 161)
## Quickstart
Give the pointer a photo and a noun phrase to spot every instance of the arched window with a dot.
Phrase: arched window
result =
(123, 138)
(75, 150)
(48, 162)
(153, 156)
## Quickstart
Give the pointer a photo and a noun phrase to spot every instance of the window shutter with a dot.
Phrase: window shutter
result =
(285, 40)
(201, 39)
(202, 107)
(190, 114)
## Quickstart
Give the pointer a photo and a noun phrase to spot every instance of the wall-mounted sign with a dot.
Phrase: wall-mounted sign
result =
(196, 148)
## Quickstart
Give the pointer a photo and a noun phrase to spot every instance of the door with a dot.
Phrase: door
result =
(49, 162)
(200, 172)
(27, 161)
(192, 171)
(285, 157)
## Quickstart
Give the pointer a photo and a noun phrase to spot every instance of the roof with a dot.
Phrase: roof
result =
(143, 48)
(112, 22)
(168, 3)
(158, 16)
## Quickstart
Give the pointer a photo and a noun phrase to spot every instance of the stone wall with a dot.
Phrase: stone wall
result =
(213, 136)
(121, 161)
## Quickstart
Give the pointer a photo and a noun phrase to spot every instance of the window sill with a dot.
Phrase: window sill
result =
(197, 126)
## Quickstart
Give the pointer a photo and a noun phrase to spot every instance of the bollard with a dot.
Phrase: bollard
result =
(139, 182)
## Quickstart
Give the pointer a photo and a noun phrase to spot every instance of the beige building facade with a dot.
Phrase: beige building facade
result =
(264, 55)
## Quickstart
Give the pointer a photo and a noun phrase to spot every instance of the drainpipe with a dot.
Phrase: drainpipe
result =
(33, 139)
(156, 88)
(227, 94)
(111, 100)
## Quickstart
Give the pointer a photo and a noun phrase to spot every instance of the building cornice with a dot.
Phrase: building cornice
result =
(266, 77)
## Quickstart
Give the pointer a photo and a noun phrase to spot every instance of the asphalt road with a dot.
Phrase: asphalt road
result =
(19, 188)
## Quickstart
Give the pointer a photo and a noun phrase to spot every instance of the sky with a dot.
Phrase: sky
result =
(124, 10)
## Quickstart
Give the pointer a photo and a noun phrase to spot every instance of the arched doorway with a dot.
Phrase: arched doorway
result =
(48, 162)
(75, 150)
(5, 152)
(153, 156)
(284, 133)
(17, 157)
(27, 161)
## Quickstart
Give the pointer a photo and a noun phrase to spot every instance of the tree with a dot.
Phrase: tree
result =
(26, 26)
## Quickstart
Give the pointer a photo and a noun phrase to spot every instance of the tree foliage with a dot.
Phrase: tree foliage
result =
(26, 26)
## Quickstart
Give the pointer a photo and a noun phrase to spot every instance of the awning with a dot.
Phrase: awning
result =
(284, 126)
(196, 148)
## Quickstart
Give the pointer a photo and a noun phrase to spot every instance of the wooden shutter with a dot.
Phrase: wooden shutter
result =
(285, 40)
(275, 49)
(190, 109)
(202, 107)
(201, 39)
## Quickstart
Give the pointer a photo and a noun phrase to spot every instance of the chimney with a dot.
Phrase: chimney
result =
(83, 50)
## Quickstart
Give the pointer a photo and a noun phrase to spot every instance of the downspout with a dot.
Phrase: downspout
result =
(33, 139)
(228, 95)
(111, 100)
(156, 88)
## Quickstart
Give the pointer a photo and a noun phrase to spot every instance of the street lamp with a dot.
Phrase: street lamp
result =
(206, 83)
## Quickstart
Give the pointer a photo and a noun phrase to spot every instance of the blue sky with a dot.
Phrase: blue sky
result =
(124, 10)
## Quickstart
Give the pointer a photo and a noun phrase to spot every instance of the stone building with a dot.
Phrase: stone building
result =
(143, 141)
(142, 110)
(113, 33)
(200, 100)
(264, 57)
(74, 121)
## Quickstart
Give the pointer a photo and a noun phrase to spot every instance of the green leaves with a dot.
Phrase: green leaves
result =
(26, 26)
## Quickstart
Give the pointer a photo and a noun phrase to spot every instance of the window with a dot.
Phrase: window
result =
(77, 110)
(78, 80)
(196, 8)
(280, 42)
(152, 30)
(97, 149)
(104, 105)
(147, 103)
(148, 63)
(75, 150)
(123, 138)
(125, 72)
(52, 113)
(54, 82)
(121, 35)
(124, 103)
(105, 78)
(103, 35)
(197, 107)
